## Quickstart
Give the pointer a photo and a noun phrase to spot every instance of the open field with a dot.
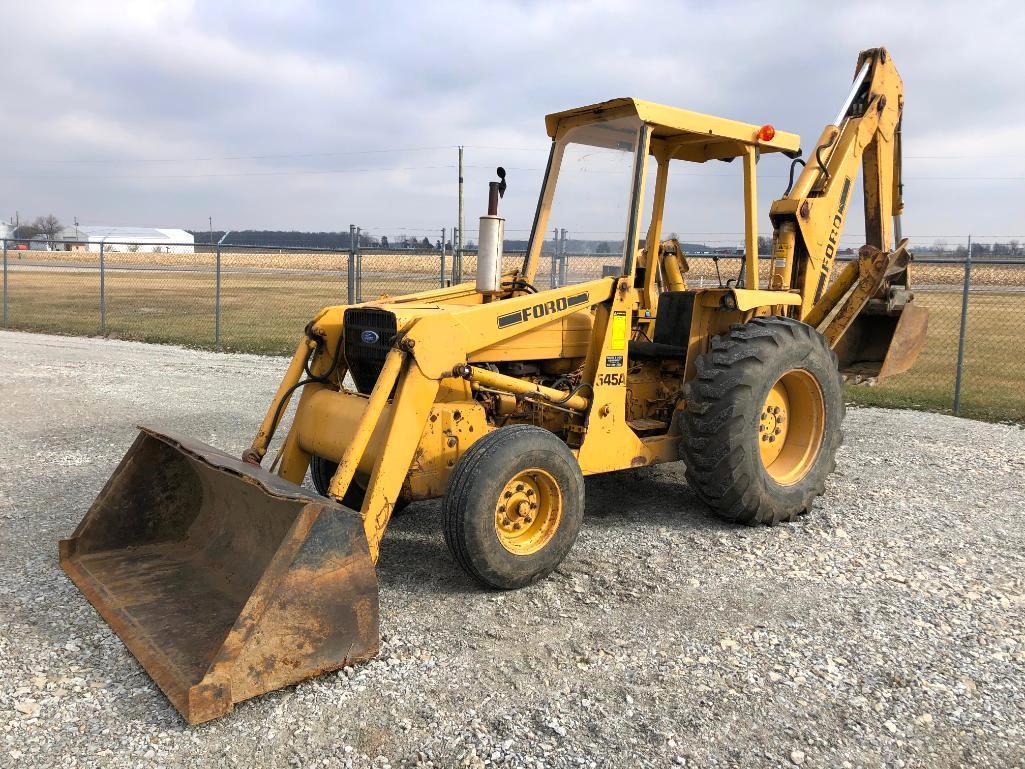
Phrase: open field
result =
(263, 309)
(424, 264)
(884, 629)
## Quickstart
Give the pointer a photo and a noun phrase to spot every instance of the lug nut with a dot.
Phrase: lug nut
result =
(517, 526)
(765, 437)
(777, 431)
(501, 508)
(506, 521)
(530, 492)
(772, 438)
(508, 494)
(519, 487)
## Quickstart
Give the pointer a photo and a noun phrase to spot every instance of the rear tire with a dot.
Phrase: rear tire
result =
(513, 507)
(321, 471)
(763, 421)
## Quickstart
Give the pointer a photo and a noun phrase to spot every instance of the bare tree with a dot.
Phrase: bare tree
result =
(48, 225)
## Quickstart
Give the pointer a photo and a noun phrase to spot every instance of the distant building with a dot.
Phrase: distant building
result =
(41, 242)
(141, 239)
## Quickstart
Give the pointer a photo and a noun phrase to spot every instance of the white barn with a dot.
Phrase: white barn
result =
(141, 239)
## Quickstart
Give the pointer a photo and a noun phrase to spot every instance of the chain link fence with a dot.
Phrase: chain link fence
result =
(257, 299)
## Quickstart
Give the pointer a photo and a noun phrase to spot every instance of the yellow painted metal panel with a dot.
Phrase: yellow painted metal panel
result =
(675, 123)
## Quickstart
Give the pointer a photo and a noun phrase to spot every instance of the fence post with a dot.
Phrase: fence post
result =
(457, 255)
(442, 283)
(217, 301)
(351, 290)
(563, 260)
(553, 279)
(103, 294)
(359, 269)
(964, 325)
(5, 282)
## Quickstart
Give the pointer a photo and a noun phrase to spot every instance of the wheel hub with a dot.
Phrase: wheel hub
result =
(528, 512)
(790, 427)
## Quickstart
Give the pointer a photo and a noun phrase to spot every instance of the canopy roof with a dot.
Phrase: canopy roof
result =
(685, 135)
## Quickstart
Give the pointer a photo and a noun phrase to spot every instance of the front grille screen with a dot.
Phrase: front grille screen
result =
(369, 334)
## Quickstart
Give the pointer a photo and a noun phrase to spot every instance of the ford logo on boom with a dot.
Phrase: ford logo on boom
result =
(369, 337)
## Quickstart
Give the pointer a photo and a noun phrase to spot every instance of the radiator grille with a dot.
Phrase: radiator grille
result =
(369, 334)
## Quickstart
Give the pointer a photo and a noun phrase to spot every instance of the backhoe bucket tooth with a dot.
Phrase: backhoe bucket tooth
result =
(224, 580)
(880, 346)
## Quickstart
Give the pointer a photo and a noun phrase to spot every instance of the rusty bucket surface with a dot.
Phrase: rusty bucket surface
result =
(881, 345)
(224, 580)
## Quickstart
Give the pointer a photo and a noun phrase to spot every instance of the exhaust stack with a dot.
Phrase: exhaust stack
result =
(490, 239)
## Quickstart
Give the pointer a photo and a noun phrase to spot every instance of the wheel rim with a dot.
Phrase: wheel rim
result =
(528, 511)
(791, 426)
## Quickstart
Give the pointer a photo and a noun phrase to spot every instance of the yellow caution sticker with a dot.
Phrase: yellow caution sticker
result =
(618, 331)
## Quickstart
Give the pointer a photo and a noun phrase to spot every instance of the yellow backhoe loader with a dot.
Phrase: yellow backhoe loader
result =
(227, 580)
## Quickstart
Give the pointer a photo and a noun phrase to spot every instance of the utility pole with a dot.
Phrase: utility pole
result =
(458, 266)
(210, 222)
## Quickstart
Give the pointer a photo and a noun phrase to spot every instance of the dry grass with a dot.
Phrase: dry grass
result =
(993, 373)
(264, 311)
(426, 263)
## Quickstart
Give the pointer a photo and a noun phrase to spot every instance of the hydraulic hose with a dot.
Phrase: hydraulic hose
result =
(818, 153)
(793, 167)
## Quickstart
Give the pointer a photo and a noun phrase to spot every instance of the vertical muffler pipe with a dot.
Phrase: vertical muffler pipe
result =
(491, 236)
(489, 255)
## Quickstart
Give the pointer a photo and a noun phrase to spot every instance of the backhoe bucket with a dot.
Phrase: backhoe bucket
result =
(880, 346)
(224, 580)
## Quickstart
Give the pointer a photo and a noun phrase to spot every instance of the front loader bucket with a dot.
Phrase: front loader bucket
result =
(224, 580)
(883, 345)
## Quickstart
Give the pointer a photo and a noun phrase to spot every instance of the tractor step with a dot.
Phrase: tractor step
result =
(646, 427)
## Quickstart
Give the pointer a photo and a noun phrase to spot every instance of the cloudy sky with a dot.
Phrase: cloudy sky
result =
(314, 115)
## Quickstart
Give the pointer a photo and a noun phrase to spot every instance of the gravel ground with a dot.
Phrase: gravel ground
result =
(885, 629)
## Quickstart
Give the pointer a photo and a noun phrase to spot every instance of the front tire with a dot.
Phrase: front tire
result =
(321, 471)
(763, 420)
(513, 507)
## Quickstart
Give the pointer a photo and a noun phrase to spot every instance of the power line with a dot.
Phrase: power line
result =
(329, 171)
(270, 156)
(225, 175)
(387, 150)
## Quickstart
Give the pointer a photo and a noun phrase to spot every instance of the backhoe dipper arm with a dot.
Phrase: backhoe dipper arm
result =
(810, 218)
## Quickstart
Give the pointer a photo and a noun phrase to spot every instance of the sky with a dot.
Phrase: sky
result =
(316, 115)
